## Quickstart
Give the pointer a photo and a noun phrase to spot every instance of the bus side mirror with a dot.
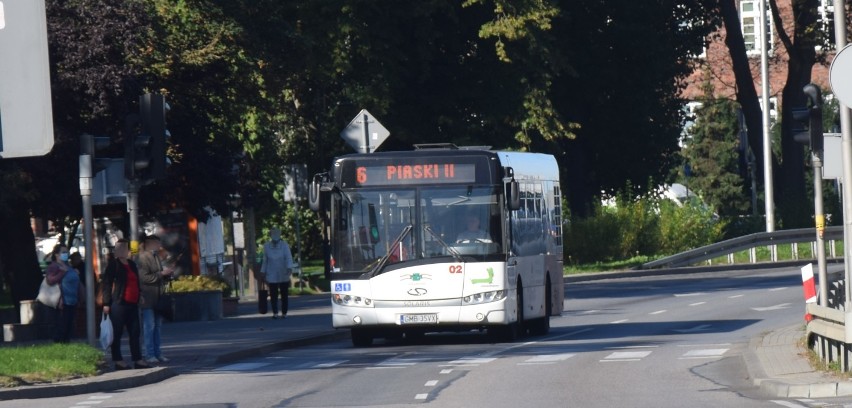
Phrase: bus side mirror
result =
(314, 200)
(513, 196)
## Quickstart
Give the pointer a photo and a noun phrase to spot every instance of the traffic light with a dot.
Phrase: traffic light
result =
(807, 126)
(145, 140)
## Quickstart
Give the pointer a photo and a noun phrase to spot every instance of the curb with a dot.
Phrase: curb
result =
(87, 385)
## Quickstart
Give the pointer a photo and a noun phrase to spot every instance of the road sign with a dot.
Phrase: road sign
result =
(364, 133)
(26, 117)
(840, 75)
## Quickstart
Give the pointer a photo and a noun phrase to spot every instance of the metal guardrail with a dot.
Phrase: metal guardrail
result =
(744, 243)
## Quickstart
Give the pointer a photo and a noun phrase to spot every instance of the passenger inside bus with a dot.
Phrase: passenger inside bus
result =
(472, 232)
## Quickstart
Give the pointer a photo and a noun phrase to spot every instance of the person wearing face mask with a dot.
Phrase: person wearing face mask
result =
(61, 272)
(276, 270)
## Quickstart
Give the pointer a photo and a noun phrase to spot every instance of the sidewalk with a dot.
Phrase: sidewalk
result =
(779, 365)
(776, 362)
(191, 346)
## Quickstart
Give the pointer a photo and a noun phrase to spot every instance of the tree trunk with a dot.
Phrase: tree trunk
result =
(794, 208)
(746, 93)
(18, 260)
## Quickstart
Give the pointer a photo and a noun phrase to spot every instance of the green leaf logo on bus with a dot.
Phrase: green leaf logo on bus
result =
(488, 280)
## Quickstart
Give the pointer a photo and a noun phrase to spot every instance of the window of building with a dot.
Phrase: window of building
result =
(750, 22)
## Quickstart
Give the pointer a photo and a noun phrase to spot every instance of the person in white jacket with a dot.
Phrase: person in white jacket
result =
(276, 270)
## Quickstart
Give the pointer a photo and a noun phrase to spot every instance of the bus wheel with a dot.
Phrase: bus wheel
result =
(541, 326)
(362, 338)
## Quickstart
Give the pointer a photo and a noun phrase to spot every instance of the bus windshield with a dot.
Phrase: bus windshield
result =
(377, 228)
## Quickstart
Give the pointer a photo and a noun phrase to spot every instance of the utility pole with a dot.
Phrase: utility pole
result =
(87, 151)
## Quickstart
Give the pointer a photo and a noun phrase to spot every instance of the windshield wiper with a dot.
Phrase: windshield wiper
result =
(384, 260)
(456, 255)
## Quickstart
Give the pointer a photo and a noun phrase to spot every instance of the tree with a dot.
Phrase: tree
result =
(712, 152)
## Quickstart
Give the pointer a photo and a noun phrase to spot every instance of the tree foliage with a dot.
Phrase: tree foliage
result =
(713, 151)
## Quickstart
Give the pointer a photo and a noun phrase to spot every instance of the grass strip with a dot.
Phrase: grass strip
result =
(44, 363)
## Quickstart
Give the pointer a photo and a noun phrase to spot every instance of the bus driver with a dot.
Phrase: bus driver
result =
(472, 233)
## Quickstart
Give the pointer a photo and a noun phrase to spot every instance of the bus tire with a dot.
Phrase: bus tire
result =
(541, 326)
(362, 337)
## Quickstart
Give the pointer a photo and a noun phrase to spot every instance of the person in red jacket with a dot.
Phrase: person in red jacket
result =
(121, 295)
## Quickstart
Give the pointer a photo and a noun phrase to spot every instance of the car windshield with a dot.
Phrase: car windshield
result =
(377, 228)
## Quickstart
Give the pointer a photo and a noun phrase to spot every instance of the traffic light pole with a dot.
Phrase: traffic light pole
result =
(87, 150)
(133, 213)
(819, 220)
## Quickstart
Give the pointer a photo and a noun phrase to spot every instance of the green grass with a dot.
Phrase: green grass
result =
(606, 266)
(22, 365)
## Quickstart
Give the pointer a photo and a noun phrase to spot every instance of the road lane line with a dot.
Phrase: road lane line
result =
(619, 321)
(446, 371)
(688, 294)
(697, 303)
(658, 312)
(421, 396)
(735, 296)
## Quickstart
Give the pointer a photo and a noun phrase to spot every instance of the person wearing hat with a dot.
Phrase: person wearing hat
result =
(276, 269)
(152, 276)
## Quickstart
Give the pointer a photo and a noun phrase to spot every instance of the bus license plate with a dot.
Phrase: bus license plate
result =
(418, 318)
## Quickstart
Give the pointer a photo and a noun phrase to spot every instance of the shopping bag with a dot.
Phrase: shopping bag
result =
(164, 306)
(48, 294)
(106, 332)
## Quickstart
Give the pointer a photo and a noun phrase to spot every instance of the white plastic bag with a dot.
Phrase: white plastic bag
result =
(106, 332)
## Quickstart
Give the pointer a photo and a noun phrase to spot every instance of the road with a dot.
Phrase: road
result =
(669, 341)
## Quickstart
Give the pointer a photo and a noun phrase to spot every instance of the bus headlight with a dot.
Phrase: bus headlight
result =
(349, 300)
(485, 297)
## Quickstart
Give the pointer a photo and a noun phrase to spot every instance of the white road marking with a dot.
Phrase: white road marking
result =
(658, 312)
(705, 353)
(421, 396)
(630, 347)
(694, 329)
(771, 308)
(619, 321)
(626, 356)
(735, 296)
(446, 371)
(688, 294)
(788, 404)
(697, 303)
(590, 311)
(330, 364)
(777, 289)
(431, 383)
(470, 361)
(548, 358)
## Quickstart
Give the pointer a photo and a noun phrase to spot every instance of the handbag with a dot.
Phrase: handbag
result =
(48, 294)
(164, 306)
(262, 299)
(106, 331)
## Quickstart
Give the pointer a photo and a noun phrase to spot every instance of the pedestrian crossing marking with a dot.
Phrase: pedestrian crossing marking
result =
(705, 353)
(329, 364)
(469, 361)
(626, 356)
(548, 359)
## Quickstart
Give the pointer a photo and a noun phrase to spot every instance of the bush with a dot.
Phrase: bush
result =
(200, 283)
(645, 226)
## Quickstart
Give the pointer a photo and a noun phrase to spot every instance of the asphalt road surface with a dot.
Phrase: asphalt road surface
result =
(669, 341)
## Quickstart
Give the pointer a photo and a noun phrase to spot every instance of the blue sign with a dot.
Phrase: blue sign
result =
(342, 287)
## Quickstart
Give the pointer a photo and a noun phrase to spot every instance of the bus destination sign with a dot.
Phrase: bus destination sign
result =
(425, 173)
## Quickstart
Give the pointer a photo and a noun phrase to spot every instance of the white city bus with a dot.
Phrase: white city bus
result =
(404, 256)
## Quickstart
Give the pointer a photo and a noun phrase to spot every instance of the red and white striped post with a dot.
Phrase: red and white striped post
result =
(809, 287)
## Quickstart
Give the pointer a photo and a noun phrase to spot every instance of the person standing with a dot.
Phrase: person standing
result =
(276, 270)
(153, 277)
(121, 295)
(61, 272)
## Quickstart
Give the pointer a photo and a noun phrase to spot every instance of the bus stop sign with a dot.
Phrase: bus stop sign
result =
(364, 133)
(26, 116)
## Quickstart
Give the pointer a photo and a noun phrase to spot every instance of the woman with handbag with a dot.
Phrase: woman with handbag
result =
(60, 272)
(121, 294)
